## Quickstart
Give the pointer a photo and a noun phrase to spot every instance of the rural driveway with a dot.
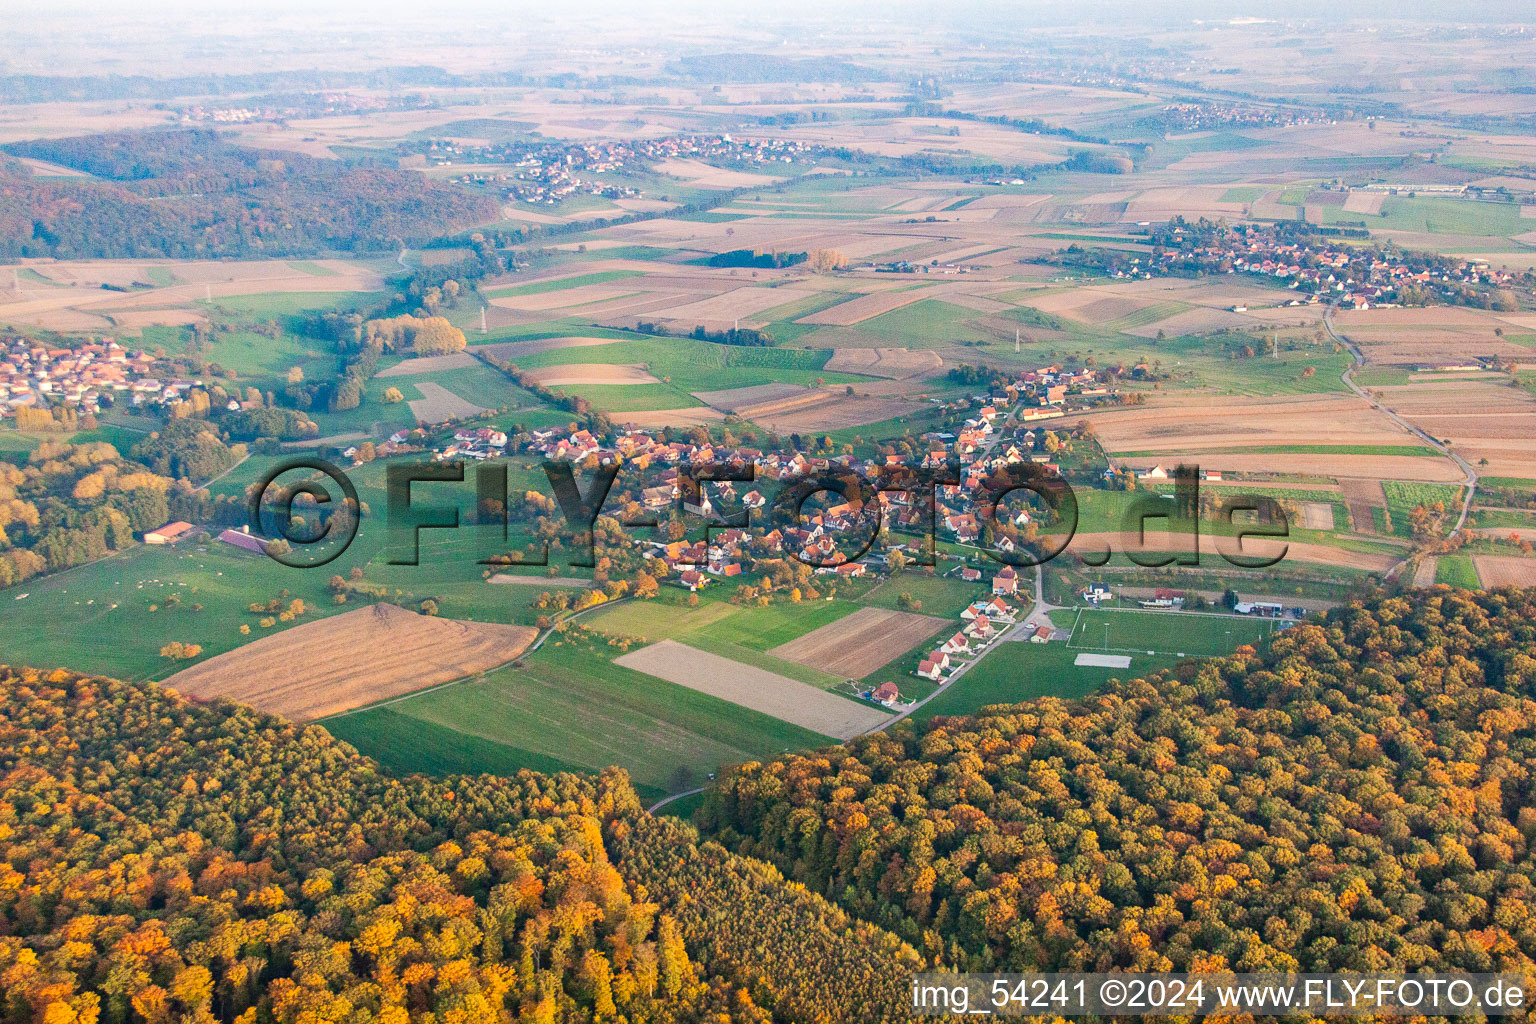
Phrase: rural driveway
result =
(1006, 636)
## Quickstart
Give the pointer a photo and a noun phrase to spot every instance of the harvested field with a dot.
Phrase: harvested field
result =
(314, 670)
(591, 373)
(1212, 547)
(323, 442)
(1361, 496)
(429, 364)
(82, 303)
(836, 414)
(1231, 422)
(786, 699)
(1505, 570)
(865, 307)
(1193, 321)
(509, 579)
(736, 303)
(858, 644)
(693, 416)
(698, 173)
(580, 295)
(1383, 467)
(1101, 311)
(1424, 574)
(1364, 202)
(736, 399)
(1484, 418)
(141, 318)
(884, 362)
(438, 404)
(1317, 515)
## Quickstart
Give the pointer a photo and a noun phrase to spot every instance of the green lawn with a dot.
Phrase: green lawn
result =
(1190, 634)
(569, 706)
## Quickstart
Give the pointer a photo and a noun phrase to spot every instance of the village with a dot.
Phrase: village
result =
(547, 173)
(1351, 277)
(84, 379)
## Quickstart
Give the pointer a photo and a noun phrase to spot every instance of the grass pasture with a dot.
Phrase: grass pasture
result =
(569, 707)
(276, 304)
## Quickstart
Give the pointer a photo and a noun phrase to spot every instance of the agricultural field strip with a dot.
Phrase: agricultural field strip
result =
(749, 686)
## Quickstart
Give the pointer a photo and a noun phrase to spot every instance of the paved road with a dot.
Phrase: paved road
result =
(1470, 479)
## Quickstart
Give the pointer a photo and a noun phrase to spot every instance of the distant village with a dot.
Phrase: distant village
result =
(548, 172)
(1349, 276)
(84, 379)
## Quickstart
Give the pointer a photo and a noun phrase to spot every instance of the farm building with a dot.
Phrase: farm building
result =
(170, 533)
(244, 538)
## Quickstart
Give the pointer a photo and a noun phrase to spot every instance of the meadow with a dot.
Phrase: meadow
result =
(569, 707)
(1013, 672)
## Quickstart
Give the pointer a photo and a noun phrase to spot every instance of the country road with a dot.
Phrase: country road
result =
(1470, 479)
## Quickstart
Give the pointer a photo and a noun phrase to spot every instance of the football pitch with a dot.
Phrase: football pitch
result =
(1186, 634)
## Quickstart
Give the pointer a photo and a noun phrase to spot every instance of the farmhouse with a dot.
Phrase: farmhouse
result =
(170, 533)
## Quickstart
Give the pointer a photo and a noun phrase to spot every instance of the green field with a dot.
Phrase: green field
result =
(691, 365)
(1013, 672)
(944, 596)
(69, 618)
(1457, 571)
(1183, 634)
(559, 284)
(732, 631)
(1439, 216)
(570, 707)
(927, 323)
(276, 304)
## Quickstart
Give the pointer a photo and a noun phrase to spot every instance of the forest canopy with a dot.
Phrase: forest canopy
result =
(189, 193)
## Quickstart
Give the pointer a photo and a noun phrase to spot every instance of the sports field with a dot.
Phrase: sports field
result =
(1191, 634)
